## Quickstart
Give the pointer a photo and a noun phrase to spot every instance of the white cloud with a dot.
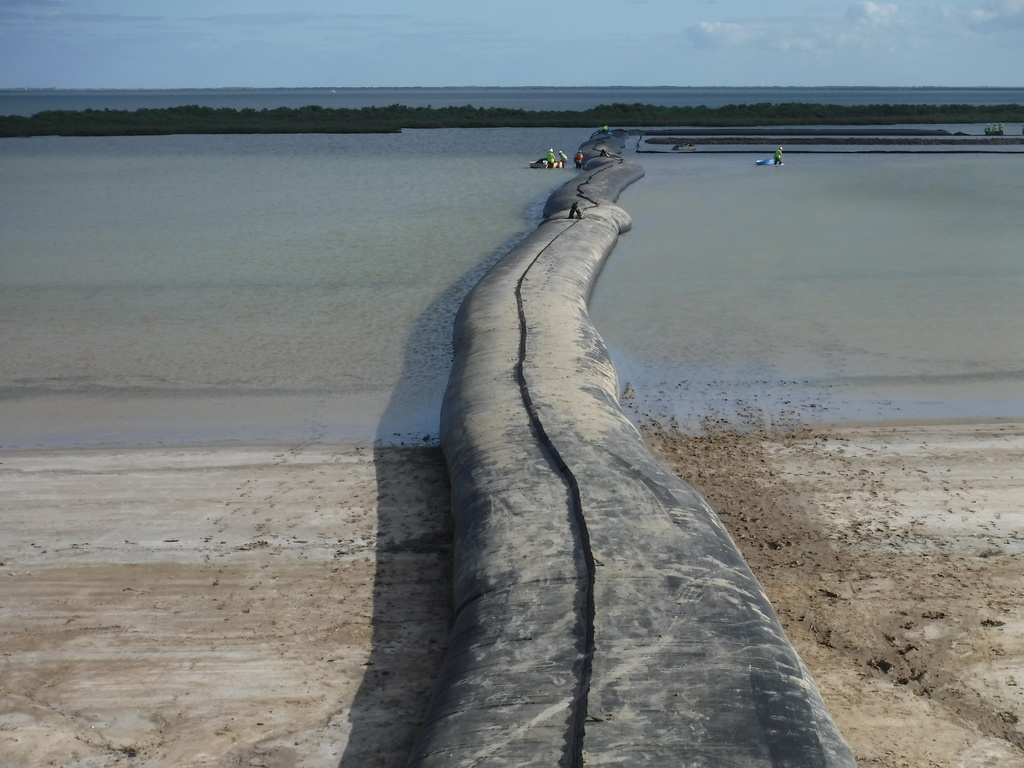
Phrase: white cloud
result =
(865, 25)
(713, 34)
(874, 14)
(996, 16)
(257, 19)
(795, 34)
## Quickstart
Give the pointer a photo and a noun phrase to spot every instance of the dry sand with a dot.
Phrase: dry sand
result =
(289, 607)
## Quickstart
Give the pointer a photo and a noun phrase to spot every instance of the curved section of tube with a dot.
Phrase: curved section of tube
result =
(603, 614)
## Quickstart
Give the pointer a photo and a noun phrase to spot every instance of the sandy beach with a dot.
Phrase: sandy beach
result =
(289, 606)
(220, 606)
(892, 555)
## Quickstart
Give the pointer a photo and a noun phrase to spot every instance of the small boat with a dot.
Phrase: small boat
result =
(684, 148)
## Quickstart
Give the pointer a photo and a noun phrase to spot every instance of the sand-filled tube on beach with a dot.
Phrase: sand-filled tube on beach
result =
(603, 614)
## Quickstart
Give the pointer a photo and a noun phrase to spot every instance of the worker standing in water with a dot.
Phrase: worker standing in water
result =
(551, 158)
(778, 156)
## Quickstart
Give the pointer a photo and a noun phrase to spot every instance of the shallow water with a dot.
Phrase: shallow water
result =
(838, 287)
(186, 289)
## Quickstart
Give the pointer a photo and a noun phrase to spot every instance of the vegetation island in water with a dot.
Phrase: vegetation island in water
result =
(394, 118)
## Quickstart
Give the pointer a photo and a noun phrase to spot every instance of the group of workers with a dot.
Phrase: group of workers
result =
(561, 160)
(998, 129)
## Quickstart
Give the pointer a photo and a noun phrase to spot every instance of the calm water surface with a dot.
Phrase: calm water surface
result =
(183, 288)
(302, 288)
(837, 287)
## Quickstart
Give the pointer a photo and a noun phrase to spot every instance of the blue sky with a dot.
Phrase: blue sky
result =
(296, 43)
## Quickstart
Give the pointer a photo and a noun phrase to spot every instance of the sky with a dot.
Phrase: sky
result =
(395, 43)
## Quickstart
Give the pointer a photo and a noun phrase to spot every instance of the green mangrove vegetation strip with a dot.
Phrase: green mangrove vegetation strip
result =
(392, 119)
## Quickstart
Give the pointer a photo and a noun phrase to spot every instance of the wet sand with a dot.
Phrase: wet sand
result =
(893, 556)
(290, 606)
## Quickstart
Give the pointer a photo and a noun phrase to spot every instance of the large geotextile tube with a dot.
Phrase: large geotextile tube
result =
(603, 614)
